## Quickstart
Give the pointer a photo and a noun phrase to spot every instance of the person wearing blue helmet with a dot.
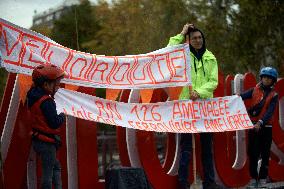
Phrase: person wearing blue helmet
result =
(264, 100)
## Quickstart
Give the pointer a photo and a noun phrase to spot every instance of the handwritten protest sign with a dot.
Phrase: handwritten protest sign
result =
(212, 115)
(23, 49)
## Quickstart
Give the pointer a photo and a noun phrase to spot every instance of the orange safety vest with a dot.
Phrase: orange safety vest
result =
(257, 96)
(40, 128)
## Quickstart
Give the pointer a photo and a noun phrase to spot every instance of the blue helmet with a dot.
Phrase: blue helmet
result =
(269, 71)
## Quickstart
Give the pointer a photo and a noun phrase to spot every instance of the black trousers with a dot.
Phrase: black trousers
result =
(259, 148)
(206, 157)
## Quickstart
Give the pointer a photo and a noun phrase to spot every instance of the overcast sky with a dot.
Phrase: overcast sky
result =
(20, 12)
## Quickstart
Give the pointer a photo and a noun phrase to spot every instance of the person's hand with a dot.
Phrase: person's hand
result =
(257, 126)
(194, 95)
(186, 27)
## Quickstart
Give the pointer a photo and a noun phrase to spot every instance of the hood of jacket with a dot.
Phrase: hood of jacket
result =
(34, 94)
(198, 54)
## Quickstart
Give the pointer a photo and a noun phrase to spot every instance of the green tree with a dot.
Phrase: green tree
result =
(42, 29)
(213, 20)
(3, 78)
(243, 34)
(257, 34)
(75, 26)
(137, 26)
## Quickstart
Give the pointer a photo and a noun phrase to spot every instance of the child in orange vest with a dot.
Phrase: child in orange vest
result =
(45, 122)
(264, 101)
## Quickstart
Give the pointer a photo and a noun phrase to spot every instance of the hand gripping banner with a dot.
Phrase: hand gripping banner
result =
(182, 116)
(22, 50)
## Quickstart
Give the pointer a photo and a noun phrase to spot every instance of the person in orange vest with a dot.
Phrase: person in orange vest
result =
(45, 122)
(264, 101)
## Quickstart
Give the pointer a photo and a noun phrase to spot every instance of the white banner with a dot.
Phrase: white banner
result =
(23, 49)
(182, 116)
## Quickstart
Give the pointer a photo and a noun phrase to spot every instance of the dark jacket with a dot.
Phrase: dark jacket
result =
(48, 107)
(273, 103)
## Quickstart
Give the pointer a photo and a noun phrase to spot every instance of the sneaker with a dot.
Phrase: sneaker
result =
(252, 183)
(211, 185)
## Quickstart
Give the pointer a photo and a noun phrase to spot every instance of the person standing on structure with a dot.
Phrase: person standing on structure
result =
(45, 122)
(204, 77)
(264, 101)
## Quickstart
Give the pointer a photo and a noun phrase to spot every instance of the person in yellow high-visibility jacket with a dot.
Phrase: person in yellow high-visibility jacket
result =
(204, 77)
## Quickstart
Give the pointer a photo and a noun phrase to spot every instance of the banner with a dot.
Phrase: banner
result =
(22, 50)
(182, 116)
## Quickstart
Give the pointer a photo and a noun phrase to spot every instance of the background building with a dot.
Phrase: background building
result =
(48, 17)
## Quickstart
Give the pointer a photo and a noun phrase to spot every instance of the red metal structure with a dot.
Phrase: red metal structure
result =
(79, 154)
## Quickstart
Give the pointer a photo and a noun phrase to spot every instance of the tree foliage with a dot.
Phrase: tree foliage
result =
(42, 29)
(244, 35)
(76, 25)
(137, 26)
(3, 78)
(257, 28)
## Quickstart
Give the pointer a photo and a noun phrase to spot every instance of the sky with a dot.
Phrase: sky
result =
(21, 12)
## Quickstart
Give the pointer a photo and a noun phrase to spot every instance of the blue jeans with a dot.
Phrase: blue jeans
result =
(206, 157)
(51, 169)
